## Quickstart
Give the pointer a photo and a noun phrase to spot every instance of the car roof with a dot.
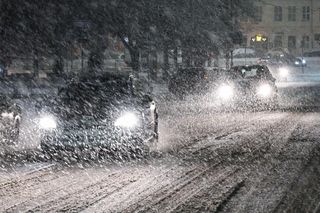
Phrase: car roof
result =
(249, 66)
(95, 78)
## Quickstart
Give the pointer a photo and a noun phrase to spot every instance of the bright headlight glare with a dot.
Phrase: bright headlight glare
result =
(48, 123)
(303, 61)
(284, 72)
(225, 91)
(127, 120)
(7, 115)
(264, 91)
(296, 62)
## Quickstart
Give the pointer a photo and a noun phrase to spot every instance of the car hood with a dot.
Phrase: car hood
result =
(90, 115)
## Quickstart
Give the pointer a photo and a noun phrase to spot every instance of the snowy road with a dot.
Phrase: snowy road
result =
(229, 162)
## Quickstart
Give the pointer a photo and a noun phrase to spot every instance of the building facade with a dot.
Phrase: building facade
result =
(291, 25)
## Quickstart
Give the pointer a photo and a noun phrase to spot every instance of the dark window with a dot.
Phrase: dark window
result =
(305, 42)
(291, 13)
(277, 13)
(277, 41)
(244, 41)
(244, 18)
(305, 13)
(258, 14)
(292, 42)
(317, 38)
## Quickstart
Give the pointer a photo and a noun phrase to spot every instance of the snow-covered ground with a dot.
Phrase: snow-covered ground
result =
(207, 161)
(230, 162)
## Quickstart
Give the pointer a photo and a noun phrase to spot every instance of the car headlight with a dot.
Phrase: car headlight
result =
(225, 92)
(297, 62)
(304, 61)
(264, 91)
(7, 115)
(284, 72)
(47, 123)
(127, 120)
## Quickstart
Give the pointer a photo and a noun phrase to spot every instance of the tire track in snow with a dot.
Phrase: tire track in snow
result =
(42, 192)
(167, 191)
(259, 186)
(222, 131)
(267, 133)
(28, 176)
(145, 188)
(196, 189)
(250, 140)
(84, 196)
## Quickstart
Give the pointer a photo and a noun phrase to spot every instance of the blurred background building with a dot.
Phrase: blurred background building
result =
(290, 25)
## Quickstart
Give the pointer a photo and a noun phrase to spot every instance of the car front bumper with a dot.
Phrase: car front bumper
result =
(73, 141)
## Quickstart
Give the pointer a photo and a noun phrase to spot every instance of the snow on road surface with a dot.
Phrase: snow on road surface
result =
(210, 162)
(234, 164)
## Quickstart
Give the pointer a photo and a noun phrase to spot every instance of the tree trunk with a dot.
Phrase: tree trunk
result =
(58, 67)
(228, 60)
(231, 59)
(166, 62)
(135, 61)
(95, 61)
(186, 58)
(176, 57)
(36, 64)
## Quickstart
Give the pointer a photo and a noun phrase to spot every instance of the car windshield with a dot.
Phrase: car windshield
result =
(249, 73)
(93, 98)
(160, 106)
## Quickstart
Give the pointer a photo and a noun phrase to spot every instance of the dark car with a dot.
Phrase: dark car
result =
(282, 59)
(190, 81)
(97, 116)
(315, 53)
(10, 119)
(249, 86)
